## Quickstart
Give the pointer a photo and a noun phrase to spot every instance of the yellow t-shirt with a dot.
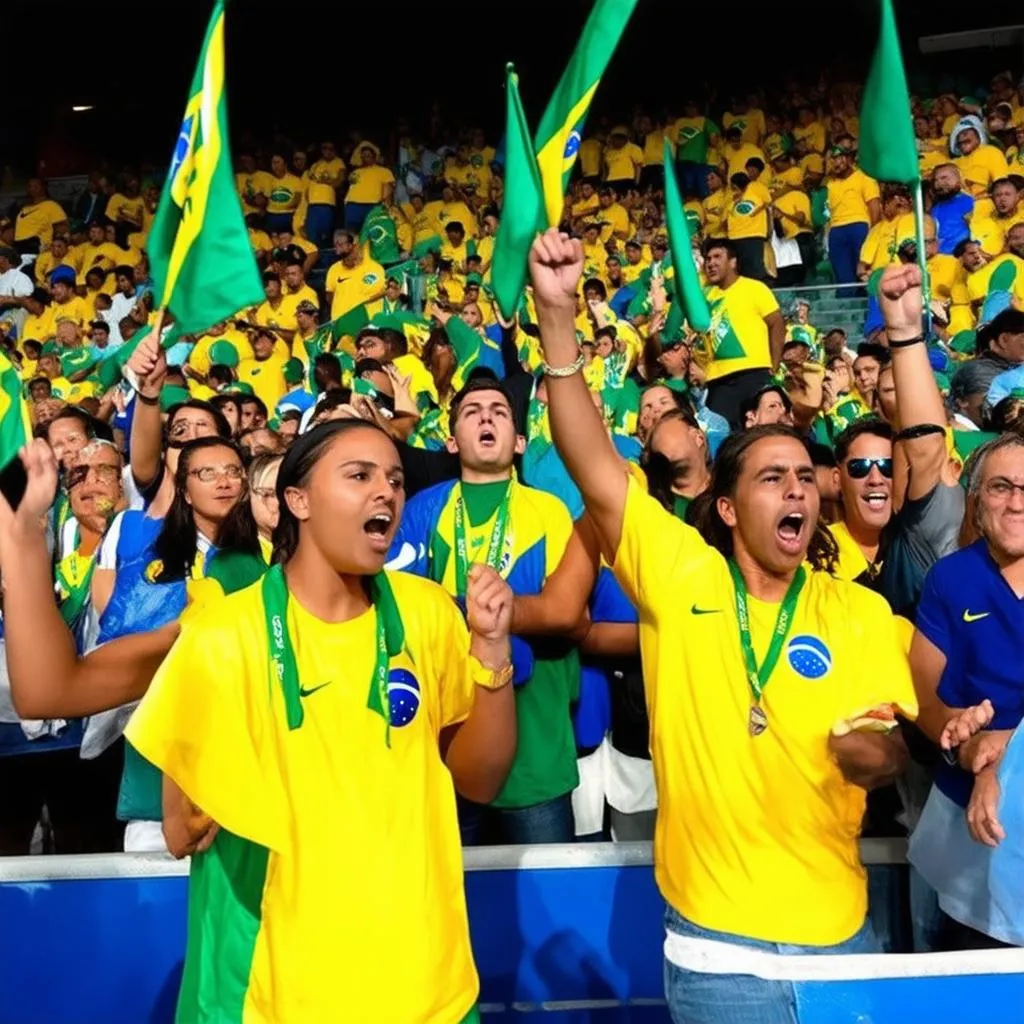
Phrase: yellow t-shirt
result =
(353, 286)
(751, 124)
(75, 309)
(622, 164)
(738, 336)
(37, 221)
(879, 248)
(978, 282)
(716, 210)
(38, 328)
(756, 836)
(460, 212)
(283, 316)
(285, 193)
(590, 157)
(737, 158)
(811, 164)
(981, 168)
(199, 358)
(46, 264)
(654, 147)
(366, 184)
(266, 377)
(260, 241)
(813, 134)
(793, 202)
(121, 207)
(848, 198)
(288, 910)
(248, 185)
(748, 215)
(320, 174)
(615, 222)
(945, 273)
(586, 206)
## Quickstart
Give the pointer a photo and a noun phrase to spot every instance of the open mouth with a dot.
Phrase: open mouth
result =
(378, 528)
(876, 500)
(790, 530)
(488, 438)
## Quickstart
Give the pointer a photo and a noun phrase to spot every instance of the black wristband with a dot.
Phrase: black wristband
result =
(145, 400)
(907, 343)
(920, 430)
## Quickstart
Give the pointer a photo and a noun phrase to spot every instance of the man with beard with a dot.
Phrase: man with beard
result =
(952, 208)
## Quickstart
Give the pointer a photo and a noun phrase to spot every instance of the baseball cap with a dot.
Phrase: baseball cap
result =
(292, 371)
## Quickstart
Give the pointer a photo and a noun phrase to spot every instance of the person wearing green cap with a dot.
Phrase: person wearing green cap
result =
(297, 397)
(223, 353)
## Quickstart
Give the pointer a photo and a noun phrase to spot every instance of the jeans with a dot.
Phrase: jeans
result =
(320, 224)
(547, 822)
(696, 998)
(693, 179)
(844, 251)
(355, 214)
(279, 222)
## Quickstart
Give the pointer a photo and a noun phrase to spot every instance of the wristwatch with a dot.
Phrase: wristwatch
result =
(489, 678)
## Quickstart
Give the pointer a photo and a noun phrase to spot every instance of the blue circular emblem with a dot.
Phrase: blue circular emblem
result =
(572, 145)
(809, 657)
(182, 146)
(403, 697)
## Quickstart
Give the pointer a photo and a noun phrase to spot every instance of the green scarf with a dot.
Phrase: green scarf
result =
(390, 641)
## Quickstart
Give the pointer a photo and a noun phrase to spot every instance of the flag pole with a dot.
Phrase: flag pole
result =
(922, 259)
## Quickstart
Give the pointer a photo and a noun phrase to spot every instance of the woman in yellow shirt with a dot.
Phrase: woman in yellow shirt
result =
(284, 196)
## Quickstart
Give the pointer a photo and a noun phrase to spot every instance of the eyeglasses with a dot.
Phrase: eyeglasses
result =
(859, 468)
(1002, 489)
(207, 474)
(195, 428)
(265, 493)
(103, 473)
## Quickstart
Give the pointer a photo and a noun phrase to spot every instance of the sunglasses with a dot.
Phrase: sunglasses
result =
(860, 468)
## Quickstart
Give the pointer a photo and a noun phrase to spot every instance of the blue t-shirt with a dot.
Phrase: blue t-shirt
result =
(971, 614)
(951, 217)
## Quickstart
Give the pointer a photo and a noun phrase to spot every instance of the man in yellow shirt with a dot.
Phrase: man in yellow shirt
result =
(352, 280)
(1007, 210)
(264, 372)
(368, 184)
(784, 723)
(737, 152)
(623, 161)
(38, 218)
(716, 206)
(980, 162)
(613, 216)
(854, 204)
(253, 185)
(325, 178)
(879, 248)
(748, 219)
(284, 196)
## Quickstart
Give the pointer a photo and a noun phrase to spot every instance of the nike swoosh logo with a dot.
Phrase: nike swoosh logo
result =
(968, 617)
(704, 611)
(303, 692)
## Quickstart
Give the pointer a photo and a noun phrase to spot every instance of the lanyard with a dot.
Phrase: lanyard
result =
(74, 576)
(758, 675)
(494, 548)
(388, 641)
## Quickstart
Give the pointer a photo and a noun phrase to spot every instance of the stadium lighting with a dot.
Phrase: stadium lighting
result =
(82, 109)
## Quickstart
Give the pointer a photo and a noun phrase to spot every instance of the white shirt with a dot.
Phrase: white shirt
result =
(15, 283)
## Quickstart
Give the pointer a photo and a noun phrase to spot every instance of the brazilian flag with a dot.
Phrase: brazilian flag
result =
(561, 127)
(15, 426)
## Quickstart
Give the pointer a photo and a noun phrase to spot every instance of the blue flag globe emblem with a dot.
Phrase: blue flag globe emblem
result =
(403, 697)
(181, 147)
(809, 657)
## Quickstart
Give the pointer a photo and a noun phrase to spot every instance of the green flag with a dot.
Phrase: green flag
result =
(887, 149)
(685, 281)
(381, 235)
(15, 426)
(202, 262)
(522, 210)
(561, 127)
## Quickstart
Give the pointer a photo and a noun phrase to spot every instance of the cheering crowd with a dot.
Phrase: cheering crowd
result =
(751, 593)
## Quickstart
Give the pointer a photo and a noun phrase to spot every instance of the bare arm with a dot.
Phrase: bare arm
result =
(870, 759)
(875, 210)
(48, 679)
(776, 335)
(186, 829)
(927, 663)
(562, 602)
(612, 640)
(918, 401)
(579, 433)
(479, 751)
(150, 368)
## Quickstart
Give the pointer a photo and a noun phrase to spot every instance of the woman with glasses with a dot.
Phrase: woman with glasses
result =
(208, 524)
(263, 472)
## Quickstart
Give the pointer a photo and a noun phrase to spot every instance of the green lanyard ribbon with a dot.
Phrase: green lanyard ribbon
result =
(390, 641)
(74, 578)
(758, 675)
(494, 548)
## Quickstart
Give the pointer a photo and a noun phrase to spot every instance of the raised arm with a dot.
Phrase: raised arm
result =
(576, 426)
(48, 679)
(150, 368)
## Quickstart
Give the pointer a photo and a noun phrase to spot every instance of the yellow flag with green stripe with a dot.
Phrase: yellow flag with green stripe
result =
(202, 263)
(561, 127)
(15, 425)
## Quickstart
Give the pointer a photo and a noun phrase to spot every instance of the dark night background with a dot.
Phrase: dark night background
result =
(308, 68)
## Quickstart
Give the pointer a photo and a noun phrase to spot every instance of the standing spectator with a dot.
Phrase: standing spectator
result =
(855, 204)
(38, 219)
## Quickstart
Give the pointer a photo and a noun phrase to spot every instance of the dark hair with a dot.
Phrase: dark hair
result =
(822, 552)
(178, 541)
(720, 243)
(658, 468)
(822, 456)
(326, 371)
(367, 366)
(739, 180)
(474, 384)
(757, 163)
(222, 425)
(222, 375)
(870, 425)
(296, 467)
(875, 351)
(261, 406)
(597, 285)
(71, 412)
(753, 403)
